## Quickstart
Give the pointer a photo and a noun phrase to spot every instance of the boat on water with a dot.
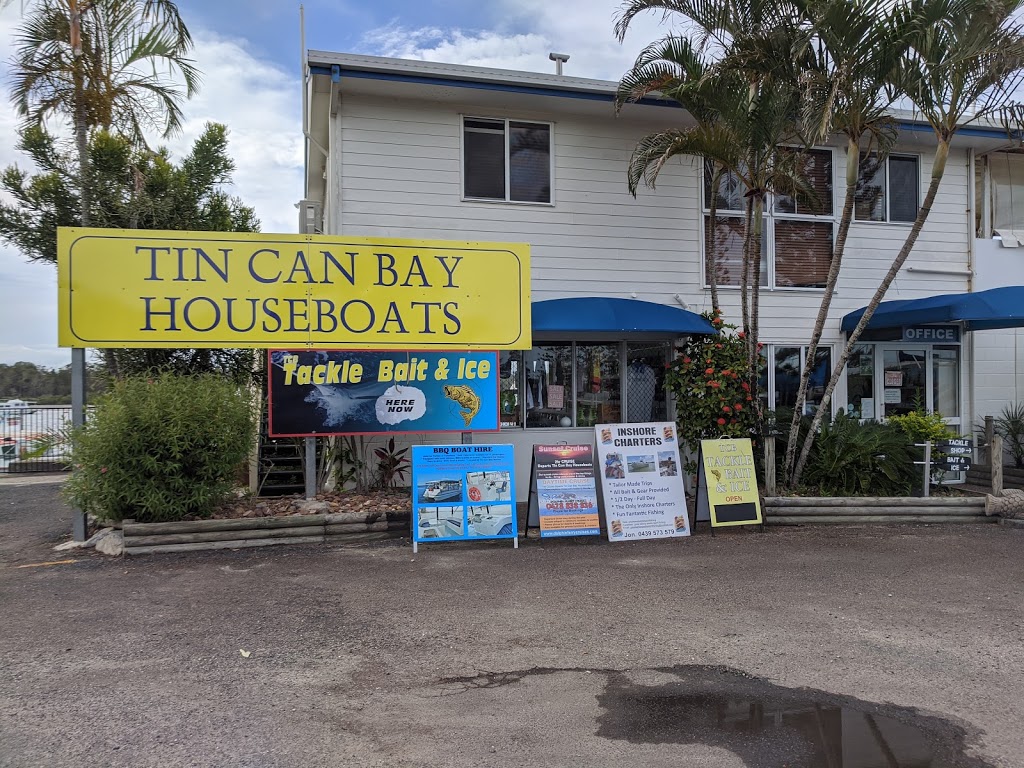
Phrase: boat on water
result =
(16, 407)
(444, 490)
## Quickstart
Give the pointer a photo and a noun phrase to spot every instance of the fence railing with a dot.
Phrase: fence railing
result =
(33, 438)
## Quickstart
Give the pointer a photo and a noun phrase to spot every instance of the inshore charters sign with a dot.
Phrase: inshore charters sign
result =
(142, 288)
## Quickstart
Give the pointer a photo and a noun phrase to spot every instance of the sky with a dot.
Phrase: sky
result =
(249, 52)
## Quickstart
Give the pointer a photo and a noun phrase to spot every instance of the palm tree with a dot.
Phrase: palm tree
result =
(852, 50)
(743, 115)
(963, 63)
(102, 64)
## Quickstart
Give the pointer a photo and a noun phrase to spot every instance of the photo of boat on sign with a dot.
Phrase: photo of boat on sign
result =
(436, 490)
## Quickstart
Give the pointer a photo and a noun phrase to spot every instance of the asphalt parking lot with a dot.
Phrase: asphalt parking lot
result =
(841, 648)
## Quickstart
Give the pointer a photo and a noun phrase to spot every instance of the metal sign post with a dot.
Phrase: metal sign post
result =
(310, 467)
(927, 445)
(79, 524)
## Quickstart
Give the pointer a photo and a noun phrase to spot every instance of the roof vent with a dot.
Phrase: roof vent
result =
(559, 59)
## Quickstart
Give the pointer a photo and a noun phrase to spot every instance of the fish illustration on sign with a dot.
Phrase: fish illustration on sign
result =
(467, 398)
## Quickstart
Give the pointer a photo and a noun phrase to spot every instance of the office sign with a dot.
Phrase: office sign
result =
(727, 484)
(932, 334)
(565, 490)
(463, 492)
(329, 392)
(641, 481)
(140, 288)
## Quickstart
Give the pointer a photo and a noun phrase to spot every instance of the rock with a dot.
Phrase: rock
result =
(110, 544)
(249, 513)
(97, 536)
(314, 507)
(69, 545)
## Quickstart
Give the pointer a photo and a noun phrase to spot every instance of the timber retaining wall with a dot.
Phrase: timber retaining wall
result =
(195, 535)
(786, 510)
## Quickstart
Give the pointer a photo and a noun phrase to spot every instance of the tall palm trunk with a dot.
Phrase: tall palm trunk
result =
(748, 236)
(852, 168)
(712, 255)
(938, 169)
(755, 297)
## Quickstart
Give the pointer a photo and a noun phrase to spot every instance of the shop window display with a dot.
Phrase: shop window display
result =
(565, 384)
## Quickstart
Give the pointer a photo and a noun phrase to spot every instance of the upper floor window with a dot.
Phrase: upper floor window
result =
(887, 189)
(798, 231)
(1006, 177)
(507, 160)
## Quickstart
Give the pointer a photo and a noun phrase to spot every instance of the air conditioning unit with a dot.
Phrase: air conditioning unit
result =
(311, 217)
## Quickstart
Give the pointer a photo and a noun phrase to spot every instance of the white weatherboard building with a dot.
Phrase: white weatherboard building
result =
(413, 149)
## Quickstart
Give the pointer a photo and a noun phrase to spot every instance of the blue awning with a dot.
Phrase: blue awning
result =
(594, 314)
(981, 311)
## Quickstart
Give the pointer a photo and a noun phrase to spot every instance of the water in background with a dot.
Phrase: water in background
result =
(29, 430)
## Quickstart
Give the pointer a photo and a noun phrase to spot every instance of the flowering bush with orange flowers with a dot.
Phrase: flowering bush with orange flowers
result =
(710, 380)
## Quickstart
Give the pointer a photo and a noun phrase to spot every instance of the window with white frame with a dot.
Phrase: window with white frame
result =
(888, 189)
(780, 379)
(506, 160)
(1006, 185)
(798, 231)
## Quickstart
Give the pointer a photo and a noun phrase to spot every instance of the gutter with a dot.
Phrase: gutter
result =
(305, 101)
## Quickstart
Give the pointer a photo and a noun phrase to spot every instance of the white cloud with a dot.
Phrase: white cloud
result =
(258, 101)
(526, 31)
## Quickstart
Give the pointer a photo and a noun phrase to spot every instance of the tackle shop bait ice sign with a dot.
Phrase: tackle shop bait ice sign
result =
(329, 392)
(138, 288)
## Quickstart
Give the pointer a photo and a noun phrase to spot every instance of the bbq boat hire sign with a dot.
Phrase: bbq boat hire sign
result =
(327, 392)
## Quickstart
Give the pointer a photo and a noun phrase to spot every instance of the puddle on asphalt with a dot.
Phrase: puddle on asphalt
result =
(769, 726)
(765, 725)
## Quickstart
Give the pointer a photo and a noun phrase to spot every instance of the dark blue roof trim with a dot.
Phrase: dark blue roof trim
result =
(980, 133)
(533, 90)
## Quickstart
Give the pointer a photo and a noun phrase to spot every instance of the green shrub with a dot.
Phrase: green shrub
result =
(710, 380)
(161, 449)
(920, 425)
(850, 458)
(1009, 425)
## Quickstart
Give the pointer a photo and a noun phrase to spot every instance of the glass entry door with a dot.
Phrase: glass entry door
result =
(904, 384)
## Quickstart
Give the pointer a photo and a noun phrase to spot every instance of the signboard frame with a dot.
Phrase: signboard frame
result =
(707, 508)
(454, 463)
(173, 289)
(579, 465)
(664, 513)
(343, 433)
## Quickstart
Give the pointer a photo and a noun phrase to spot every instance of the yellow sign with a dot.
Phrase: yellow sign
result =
(141, 288)
(728, 479)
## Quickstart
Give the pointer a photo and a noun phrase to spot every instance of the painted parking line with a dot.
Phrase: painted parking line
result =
(43, 565)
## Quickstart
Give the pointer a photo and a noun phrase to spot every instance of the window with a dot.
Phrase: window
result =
(796, 246)
(506, 160)
(780, 380)
(887, 190)
(860, 382)
(568, 384)
(1006, 179)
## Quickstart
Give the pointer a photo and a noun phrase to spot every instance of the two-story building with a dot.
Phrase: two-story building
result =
(413, 149)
